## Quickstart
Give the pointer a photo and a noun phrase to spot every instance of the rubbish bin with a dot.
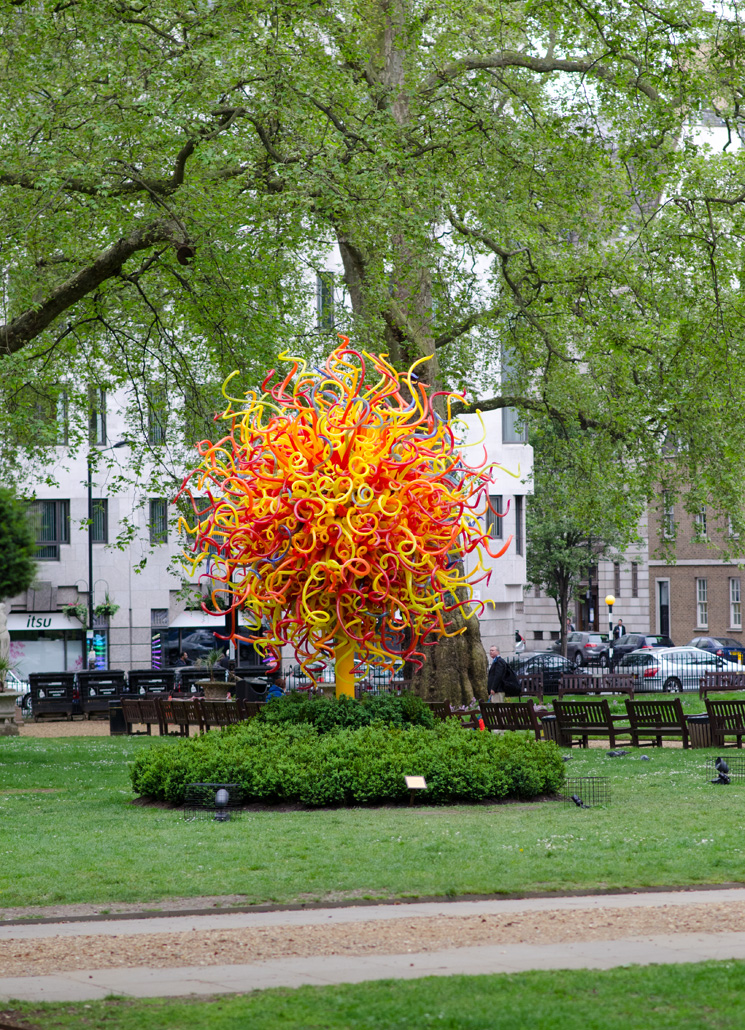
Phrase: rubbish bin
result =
(699, 730)
(117, 725)
(550, 728)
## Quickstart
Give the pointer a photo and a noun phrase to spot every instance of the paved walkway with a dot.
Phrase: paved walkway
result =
(88, 984)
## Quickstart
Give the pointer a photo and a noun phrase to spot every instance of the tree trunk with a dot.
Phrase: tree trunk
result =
(455, 668)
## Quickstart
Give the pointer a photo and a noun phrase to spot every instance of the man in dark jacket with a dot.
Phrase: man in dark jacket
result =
(502, 679)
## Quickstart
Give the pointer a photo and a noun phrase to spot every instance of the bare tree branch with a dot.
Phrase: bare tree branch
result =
(542, 65)
(21, 330)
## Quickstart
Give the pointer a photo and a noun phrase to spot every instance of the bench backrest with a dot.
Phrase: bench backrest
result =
(578, 715)
(510, 715)
(652, 714)
(616, 683)
(712, 681)
(726, 716)
(576, 683)
(531, 685)
(440, 709)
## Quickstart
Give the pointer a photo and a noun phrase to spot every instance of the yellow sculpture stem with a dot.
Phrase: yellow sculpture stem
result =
(344, 667)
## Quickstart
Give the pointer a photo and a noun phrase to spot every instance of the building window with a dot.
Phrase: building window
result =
(668, 516)
(51, 522)
(702, 604)
(100, 521)
(325, 301)
(519, 536)
(158, 520)
(617, 579)
(493, 519)
(735, 611)
(699, 524)
(634, 579)
(537, 634)
(96, 416)
(157, 415)
(514, 427)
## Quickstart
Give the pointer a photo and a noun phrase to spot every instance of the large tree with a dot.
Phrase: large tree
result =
(519, 178)
(17, 565)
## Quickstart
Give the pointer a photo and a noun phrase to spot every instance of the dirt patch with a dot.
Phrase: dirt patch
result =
(260, 944)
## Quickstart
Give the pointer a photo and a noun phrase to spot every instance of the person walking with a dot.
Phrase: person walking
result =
(502, 679)
(619, 629)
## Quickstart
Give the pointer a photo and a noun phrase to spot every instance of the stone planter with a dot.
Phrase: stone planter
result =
(214, 690)
(8, 724)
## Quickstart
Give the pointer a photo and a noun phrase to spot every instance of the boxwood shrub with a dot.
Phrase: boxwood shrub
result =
(283, 763)
(330, 713)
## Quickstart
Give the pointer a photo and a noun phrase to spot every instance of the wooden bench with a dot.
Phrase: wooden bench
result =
(584, 719)
(712, 682)
(531, 685)
(510, 715)
(218, 713)
(582, 683)
(657, 719)
(440, 709)
(726, 718)
(249, 709)
(141, 711)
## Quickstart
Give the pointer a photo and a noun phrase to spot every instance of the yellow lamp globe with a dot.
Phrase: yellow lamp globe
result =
(610, 600)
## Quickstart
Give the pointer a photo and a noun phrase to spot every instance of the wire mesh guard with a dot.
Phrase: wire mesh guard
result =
(733, 773)
(218, 801)
(586, 791)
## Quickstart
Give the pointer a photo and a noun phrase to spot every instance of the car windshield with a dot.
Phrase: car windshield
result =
(728, 642)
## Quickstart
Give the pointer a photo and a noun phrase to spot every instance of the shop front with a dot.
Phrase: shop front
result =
(45, 642)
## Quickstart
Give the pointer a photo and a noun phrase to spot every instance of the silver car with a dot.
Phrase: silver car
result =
(672, 669)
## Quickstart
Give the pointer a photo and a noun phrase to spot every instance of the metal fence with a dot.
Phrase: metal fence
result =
(652, 671)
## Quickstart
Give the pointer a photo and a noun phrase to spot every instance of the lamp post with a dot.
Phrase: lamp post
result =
(610, 601)
(98, 450)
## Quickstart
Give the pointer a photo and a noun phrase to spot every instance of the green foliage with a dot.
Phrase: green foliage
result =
(291, 763)
(17, 546)
(328, 714)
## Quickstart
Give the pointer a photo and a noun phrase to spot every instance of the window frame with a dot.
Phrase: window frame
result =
(96, 416)
(702, 603)
(100, 504)
(735, 603)
(61, 531)
(494, 522)
(157, 414)
(519, 525)
(158, 523)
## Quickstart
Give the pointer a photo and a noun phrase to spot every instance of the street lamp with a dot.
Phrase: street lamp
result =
(98, 450)
(610, 601)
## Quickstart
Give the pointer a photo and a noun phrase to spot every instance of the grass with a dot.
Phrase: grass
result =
(84, 841)
(685, 997)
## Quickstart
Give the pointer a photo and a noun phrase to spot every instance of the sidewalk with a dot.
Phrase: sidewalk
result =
(715, 938)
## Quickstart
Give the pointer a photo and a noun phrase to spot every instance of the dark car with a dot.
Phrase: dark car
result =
(638, 642)
(549, 663)
(586, 649)
(725, 647)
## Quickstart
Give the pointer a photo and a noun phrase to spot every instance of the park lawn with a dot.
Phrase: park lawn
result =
(85, 842)
(684, 997)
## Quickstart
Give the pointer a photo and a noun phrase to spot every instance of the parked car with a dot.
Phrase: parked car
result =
(585, 648)
(671, 669)
(725, 647)
(549, 663)
(638, 642)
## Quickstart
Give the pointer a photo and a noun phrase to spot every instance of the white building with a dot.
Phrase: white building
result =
(151, 625)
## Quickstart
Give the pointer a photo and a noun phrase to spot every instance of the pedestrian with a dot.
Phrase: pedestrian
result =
(570, 625)
(619, 629)
(519, 642)
(92, 660)
(183, 661)
(502, 679)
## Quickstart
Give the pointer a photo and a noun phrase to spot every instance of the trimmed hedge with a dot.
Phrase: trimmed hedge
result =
(331, 713)
(287, 763)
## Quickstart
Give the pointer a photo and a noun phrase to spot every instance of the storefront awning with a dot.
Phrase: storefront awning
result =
(40, 620)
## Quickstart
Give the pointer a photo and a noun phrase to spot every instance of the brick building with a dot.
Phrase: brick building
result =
(701, 593)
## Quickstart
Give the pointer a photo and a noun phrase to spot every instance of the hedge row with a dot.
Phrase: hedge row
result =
(330, 713)
(287, 763)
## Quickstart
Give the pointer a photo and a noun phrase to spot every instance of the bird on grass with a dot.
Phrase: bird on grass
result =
(723, 769)
(578, 801)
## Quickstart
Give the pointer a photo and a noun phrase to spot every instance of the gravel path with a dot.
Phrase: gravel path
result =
(24, 957)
